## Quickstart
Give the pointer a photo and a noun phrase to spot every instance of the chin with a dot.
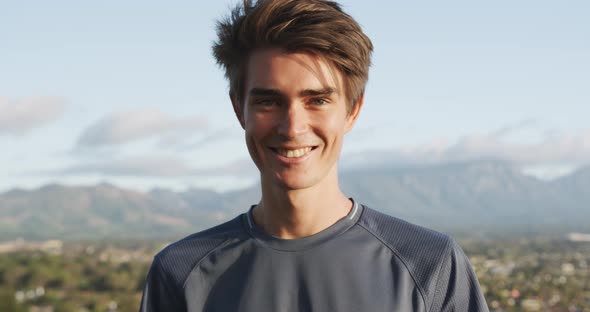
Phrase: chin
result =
(294, 182)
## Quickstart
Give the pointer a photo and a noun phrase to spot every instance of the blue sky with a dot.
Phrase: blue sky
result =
(127, 92)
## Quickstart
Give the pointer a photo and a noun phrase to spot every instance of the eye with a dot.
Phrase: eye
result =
(265, 102)
(319, 101)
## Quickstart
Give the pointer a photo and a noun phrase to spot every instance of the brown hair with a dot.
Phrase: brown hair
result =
(315, 26)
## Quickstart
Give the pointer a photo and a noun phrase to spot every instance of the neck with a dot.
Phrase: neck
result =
(291, 214)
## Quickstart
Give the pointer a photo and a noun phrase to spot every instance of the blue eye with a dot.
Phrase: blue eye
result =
(319, 101)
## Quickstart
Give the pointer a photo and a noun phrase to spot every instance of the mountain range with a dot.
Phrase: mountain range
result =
(479, 196)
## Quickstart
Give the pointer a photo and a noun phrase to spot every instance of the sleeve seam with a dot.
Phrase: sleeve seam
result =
(166, 280)
(198, 263)
(444, 262)
(393, 250)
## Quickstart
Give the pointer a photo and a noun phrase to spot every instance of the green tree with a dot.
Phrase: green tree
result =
(8, 302)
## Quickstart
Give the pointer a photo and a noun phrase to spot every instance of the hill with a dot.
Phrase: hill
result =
(478, 195)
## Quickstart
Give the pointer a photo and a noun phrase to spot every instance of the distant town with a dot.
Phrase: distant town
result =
(517, 274)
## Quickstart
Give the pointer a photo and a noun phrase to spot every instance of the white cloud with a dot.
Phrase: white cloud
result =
(554, 148)
(512, 128)
(156, 166)
(17, 117)
(215, 137)
(125, 127)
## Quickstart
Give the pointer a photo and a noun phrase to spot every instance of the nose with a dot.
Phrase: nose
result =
(293, 121)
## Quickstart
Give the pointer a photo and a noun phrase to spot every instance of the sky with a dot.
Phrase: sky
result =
(128, 93)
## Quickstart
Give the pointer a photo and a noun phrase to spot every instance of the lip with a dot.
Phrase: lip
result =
(291, 160)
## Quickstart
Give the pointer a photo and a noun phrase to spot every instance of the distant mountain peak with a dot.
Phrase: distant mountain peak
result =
(488, 193)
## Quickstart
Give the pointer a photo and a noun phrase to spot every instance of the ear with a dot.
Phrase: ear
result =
(238, 110)
(354, 113)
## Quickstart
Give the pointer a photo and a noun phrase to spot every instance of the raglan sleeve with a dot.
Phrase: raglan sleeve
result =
(457, 288)
(158, 292)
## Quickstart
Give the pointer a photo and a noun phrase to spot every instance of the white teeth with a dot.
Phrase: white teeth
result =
(294, 153)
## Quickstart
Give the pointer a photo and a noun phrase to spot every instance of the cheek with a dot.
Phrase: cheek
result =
(333, 128)
(257, 128)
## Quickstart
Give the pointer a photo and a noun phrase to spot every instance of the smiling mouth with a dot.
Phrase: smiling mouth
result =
(293, 153)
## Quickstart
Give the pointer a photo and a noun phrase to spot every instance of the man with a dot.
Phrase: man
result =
(297, 70)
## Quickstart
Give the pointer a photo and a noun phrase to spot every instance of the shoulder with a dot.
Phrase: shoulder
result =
(423, 251)
(435, 261)
(408, 240)
(179, 258)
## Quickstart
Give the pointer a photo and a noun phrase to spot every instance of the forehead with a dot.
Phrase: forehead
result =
(278, 69)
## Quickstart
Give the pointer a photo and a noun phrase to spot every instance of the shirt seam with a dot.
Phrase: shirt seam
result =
(164, 276)
(438, 273)
(198, 263)
(393, 250)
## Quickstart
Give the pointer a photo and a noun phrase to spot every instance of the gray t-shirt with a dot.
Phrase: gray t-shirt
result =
(367, 261)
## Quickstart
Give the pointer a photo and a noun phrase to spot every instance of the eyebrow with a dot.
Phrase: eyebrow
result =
(263, 92)
(306, 92)
(324, 91)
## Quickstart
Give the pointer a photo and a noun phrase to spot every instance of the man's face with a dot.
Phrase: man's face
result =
(295, 117)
